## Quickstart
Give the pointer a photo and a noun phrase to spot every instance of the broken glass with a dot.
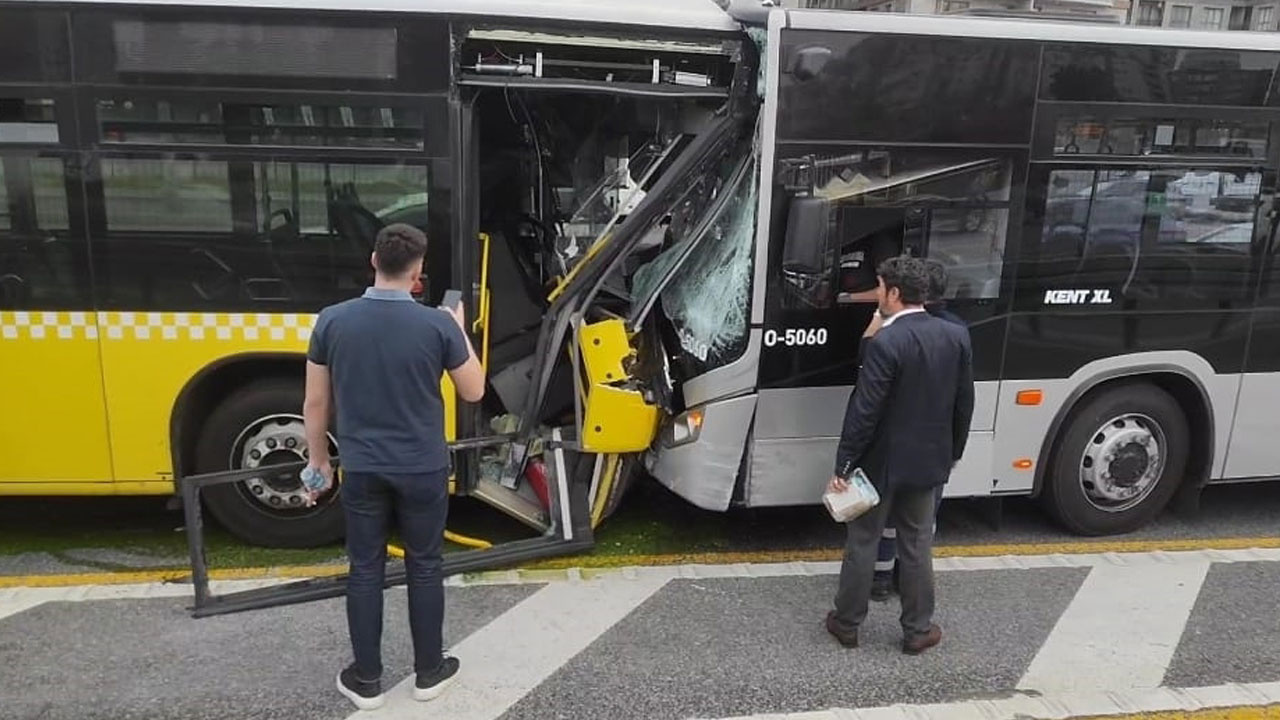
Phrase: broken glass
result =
(707, 297)
(680, 228)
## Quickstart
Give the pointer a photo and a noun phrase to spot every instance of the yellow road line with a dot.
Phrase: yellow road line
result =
(828, 554)
(130, 577)
(697, 558)
(1251, 712)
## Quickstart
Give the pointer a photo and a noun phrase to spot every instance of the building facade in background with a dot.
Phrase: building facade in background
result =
(1255, 15)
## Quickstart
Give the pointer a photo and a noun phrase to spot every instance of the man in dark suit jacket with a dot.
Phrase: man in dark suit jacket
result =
(906, 427)
(886, 577)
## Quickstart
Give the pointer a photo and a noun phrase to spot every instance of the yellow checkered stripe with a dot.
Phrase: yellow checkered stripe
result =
(155, 326)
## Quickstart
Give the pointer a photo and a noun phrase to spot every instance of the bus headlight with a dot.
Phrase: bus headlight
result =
(684, 429)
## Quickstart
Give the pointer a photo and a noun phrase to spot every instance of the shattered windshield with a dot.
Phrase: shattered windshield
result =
(706, 297)
(690, 210)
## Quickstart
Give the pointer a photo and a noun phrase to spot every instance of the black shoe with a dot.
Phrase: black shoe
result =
(364, 694)
(432, 685)
(882, 586)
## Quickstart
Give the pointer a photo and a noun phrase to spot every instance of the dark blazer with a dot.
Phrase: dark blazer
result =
(908, 417)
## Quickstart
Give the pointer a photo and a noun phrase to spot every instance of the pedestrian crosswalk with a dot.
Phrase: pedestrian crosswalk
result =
(1120, 630)
(1049, 636)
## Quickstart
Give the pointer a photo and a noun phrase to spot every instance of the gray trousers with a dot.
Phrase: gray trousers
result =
(912, 513)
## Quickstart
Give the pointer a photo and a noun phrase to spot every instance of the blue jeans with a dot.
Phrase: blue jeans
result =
(420, 503)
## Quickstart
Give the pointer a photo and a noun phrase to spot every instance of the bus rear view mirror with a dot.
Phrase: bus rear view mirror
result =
(808, 227)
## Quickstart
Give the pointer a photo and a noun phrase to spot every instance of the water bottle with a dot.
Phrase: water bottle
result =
(313, 479)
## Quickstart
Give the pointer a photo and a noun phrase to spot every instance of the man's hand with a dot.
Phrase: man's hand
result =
(837, 484)
(326, 471)
(873, 327)
(459, 315)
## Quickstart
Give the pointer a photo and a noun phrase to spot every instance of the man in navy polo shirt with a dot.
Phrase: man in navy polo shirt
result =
(378, 361)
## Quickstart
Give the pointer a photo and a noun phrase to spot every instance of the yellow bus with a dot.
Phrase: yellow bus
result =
(182, 189)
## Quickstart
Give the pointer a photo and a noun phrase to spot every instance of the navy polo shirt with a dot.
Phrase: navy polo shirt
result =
(386, 355)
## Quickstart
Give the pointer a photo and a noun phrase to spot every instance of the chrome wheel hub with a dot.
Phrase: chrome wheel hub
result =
(268, 441)
(1122, 462)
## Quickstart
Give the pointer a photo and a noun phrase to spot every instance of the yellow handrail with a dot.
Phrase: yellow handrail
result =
(482, 312)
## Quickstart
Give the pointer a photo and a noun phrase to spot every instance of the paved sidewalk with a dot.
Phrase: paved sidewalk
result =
(1025, 637)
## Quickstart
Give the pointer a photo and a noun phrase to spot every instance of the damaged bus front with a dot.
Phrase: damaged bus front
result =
(600, 190)
(603, 291)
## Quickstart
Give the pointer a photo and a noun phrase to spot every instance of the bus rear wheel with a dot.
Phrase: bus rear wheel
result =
(1119, 460)
(260, 425)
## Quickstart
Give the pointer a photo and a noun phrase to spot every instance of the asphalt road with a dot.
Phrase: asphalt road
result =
(686, 642)
(1096, 632)
(106, 534)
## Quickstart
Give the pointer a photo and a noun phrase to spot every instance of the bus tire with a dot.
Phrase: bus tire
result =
(261, 424)
(629, 470)
(1118, 461)
(629, 467)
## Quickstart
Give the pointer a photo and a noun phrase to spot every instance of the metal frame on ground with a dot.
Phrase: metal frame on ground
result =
(570, 532)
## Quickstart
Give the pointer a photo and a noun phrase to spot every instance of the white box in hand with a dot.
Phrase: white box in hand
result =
(860, 497)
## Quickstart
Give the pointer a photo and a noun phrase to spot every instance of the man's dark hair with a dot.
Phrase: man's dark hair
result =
(937, 280)
(397, 247)
(909, 275)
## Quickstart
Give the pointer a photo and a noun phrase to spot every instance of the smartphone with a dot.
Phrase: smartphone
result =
(451, 300)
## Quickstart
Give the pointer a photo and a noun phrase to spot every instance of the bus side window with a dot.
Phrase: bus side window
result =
(1161, 234)
(249, 235)
(970, 243)
(40, 267)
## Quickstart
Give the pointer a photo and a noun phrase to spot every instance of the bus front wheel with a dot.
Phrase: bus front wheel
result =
(260, 425)
(1118, 461)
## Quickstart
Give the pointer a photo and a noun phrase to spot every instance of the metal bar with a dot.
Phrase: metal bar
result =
(195, 541)
(305, 591)
(569, 536)
(614, 88)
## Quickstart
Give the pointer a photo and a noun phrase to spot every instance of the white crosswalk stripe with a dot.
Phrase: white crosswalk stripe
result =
(513, 654)
(1120, 631)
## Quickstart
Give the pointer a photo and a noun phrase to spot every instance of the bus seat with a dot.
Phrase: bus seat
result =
(356, 224)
